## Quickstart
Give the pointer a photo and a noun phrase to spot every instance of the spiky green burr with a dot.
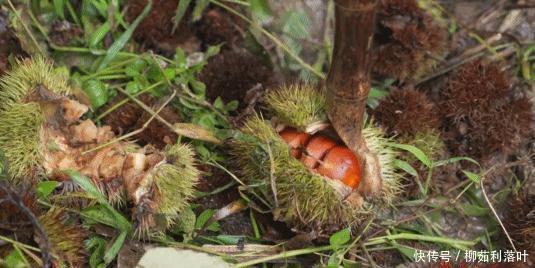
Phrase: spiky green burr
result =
(174, 181)
(297, 195)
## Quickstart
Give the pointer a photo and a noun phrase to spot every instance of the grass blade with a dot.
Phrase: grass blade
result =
(118, 45)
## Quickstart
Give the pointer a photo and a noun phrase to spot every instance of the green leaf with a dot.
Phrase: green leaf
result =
(59, 7)
(133, 87)
(403, 165)
(212, 51)
(218, 103)
(96, 246)
(405, 250)
(474, 210)
(45, 188)
(98, 35)
(112, 252)
(200, 6)
(85, 183)
(261, 9)
(214, 227)
(472, 176)
(203, 218)
(414, 151)
(296, 24)
(232, 106)
(16, 259)
(453, 160)
(340, 238)
(99, 214)
(194, 131)
(135, 68)
(179, 13)
(118, 45)
(97, 92)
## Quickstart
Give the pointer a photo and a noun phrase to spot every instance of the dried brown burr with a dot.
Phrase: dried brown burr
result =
(519, 222)
(131, 116)
(230, 74)
(405, 36)
(218, 27)
(156, 29)
(482, 116)
(407, 112)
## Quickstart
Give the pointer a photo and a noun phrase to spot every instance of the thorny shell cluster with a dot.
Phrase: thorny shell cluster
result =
(297, 195)
(42, 134)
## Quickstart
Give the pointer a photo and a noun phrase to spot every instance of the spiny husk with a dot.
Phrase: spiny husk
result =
(298, 105)
(519, 221)
(378, 143)
(175, 181)
(20, 127)
(66, 239)
(299, 197)
(26, 76)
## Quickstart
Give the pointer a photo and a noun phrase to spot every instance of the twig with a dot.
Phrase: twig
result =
(135, 132)
(481, 184)
(124, 101)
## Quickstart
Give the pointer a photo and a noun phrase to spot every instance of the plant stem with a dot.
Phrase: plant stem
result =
(284, 255)
(349, 80)
(460, 244)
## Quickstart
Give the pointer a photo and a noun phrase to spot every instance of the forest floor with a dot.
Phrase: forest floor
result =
(452, 90)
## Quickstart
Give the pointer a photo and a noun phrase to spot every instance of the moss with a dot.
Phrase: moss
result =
(26, 76)
(298, 105)
(20, 129)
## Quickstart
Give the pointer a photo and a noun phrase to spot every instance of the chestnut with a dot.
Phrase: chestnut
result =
(316, 149)
(296, 139)
(340, 163)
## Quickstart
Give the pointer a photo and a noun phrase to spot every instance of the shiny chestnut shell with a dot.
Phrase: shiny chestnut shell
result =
(296, 139)
(341, 164)
(316, 149)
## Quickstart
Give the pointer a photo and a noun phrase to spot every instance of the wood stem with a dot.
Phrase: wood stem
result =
(349, 81)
